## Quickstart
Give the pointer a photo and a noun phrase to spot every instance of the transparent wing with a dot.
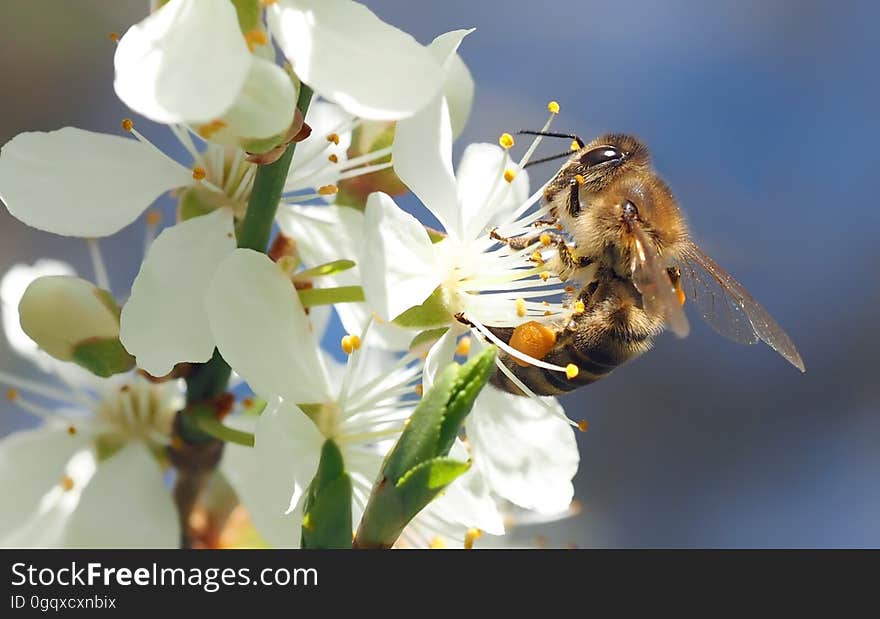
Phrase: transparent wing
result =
(652, 281)
(728, 308)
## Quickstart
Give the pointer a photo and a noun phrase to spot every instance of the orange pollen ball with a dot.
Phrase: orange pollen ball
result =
(580, 179)
(199, 173)
(533, 339)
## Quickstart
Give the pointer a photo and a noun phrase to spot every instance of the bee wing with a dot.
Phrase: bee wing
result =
(728, 308)
(652, 281)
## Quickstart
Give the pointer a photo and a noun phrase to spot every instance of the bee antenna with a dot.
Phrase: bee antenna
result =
(552, 134)
(567, 153)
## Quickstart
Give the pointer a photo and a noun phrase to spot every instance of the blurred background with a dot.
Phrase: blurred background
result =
(763, 118)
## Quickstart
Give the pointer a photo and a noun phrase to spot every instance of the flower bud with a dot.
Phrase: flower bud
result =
(73, 320)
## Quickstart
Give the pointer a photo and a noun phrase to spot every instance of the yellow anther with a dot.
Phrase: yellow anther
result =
(506, 141)
(583, 425)
(333, 137)
(199, 173)
(546, 239)
(308, 523)
(545, 275)
(66, 483)
(114, 36)
(533, 339)
(350, 343)
(333, 158)
(71, 430)
(209, 129)
(548, 313)
(520, 308)
(537, 257)
(580, 179)
(406, 421)
(327, 190)
(248, 402)
(571, 371)
(545, 303)
(509, 175)
(575, 145)
(420, 390)
(154, 218)
(437, 543)
(127, 124)
(254, 38)
(569, 289)
(470, 537)
(11, 394)
(578, 307)
(464, 347)
(553, 107)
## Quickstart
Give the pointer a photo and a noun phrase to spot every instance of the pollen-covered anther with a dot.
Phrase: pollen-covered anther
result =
(127, 124)
(420, 390)
(327, 190)
(506, 141)
(199, 173)
(470, 537)
(255, 37)
(71, 430)
(575, 145)
(66, 483)
(209, 129)
(583, 425)
(333, 158)
(248, 402)
(537, 257)
(509, 175)
(545, 275)
(532, 339)
(464, 347)
(569, 289)
(578, 307)
(520, 308)
(114, 36)
(350, 343)
(437, 543)
(546, 239)
(580, 179)
(154, 218)
(571, 371)
(553, 107)
(12, 395)
(333, 137)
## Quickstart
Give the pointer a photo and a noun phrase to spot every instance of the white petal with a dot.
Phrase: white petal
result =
(458, 85)
(262, 330)
(486, 199)
(288, 449)
(350, 56)
(397, 259)
(422, 154)
(79, 183)
(327, 233)
(526, 454)
(185, 63)
(15, 281)
(264, 108)
(126, 504)
(164, 321)
(32, 464)
(439, 356)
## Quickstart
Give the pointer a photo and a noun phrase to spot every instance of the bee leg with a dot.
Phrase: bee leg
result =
(521, 242)
(574, 200)
(569, 259)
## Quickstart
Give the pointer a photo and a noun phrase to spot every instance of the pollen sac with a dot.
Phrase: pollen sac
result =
(533, 339)
(73, 320)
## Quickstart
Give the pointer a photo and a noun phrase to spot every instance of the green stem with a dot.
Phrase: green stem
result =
(256, 227)
(325, 296)
(210, 425)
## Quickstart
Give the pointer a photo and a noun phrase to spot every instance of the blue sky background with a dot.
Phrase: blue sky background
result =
(763, 118)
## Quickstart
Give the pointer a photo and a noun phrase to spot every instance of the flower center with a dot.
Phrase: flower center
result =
(139, 410)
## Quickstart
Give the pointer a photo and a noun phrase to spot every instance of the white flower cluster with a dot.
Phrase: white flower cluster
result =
(94, 472)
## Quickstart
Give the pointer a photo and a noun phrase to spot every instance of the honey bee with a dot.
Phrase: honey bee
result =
(632, 264)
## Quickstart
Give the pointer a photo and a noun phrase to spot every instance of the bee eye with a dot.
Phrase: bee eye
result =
(599, 155)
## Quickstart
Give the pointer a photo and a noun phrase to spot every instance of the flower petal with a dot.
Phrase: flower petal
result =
(79, 183)
(458, 85)
(526, 454)
(327, 233)
(487, 199)
(185, 63)
(32, 464)
(440, 355)
(262, 330)
(126, 504)
(422, 154)
(163, 322)
(350, 56)
(397, 259)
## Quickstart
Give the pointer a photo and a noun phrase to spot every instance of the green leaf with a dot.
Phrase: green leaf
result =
(327, 514)
(103, 356)
(420, 485)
